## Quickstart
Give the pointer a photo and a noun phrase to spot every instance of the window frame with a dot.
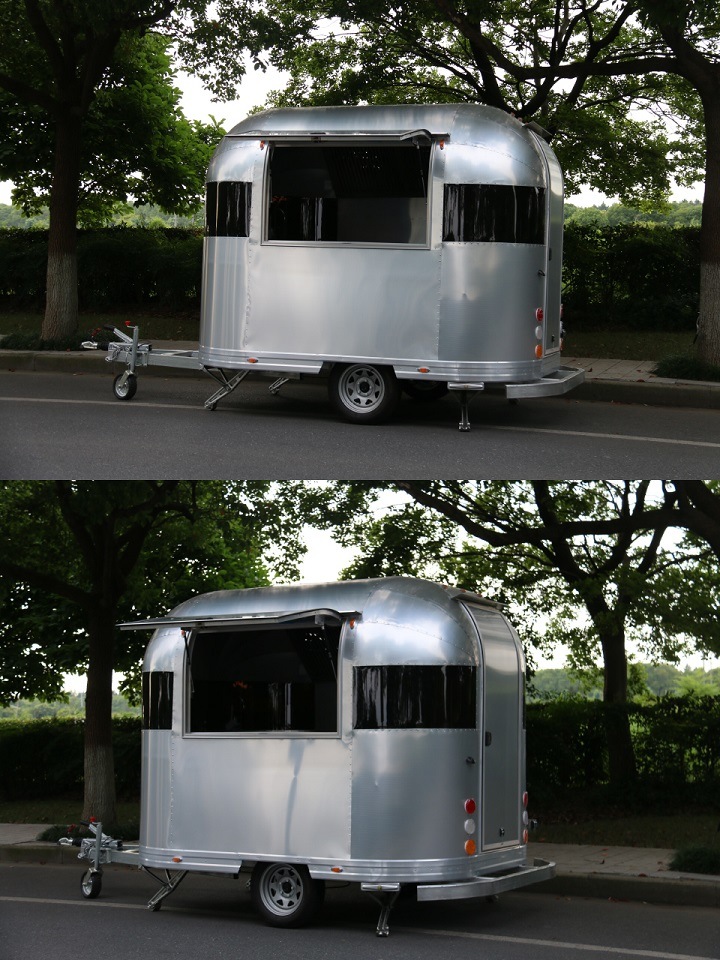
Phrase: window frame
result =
(345, 142)
(260, 625)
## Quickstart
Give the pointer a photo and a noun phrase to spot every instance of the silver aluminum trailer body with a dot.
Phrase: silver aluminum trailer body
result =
(370, 731)
(413, 245)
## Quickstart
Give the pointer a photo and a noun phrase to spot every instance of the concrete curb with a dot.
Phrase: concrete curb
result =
(689, 890)
(682, 891)
(675, 393)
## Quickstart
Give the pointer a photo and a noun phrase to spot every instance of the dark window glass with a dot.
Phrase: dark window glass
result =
(227, 209)
(486, 213)
(348, 194)
(265, 680)
(414, 696)
(157, 691)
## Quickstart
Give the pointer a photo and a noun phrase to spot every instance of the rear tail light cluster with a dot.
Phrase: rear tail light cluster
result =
(539, 317)
(470, 827)
(525, 818)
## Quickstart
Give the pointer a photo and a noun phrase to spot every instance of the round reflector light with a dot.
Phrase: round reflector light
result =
(525, 799)
(539, 314)
(470, 806)
(539, 351)
(470, 847)
(470, 826)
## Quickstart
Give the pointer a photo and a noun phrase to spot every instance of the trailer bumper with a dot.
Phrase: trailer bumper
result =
(488, 886)
(552, 384)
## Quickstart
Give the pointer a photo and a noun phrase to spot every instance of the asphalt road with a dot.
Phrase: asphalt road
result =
(62, 425)
(42, 915)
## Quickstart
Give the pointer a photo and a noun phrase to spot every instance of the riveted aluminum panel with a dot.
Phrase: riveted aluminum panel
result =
(225, 292)
(488, 296)
(408, 791)
(344, 301)
(244, 797)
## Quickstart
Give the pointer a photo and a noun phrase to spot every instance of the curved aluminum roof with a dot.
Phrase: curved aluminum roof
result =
(499, 134)
(399, 619)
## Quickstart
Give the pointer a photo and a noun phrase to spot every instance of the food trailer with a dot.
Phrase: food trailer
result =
(413, 248)
(367, 731)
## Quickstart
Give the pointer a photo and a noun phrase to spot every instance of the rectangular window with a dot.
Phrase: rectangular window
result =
(348, 194)
(265, 680)
(415, 696)
(227, 209)
(157, 698)
(493, 213)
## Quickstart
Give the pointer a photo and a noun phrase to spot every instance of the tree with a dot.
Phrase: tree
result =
(504, 54)
(577, 68)
(162, 162)
(65, 64)
(77, 557)
(554, 550)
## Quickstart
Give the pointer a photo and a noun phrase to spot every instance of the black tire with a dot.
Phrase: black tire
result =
(285, 895)
(363, 392)
(91, 884)
(127, 390)
(425, 390)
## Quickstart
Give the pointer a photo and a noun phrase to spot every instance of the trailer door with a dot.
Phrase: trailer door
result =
(554, 250)
(501, 730)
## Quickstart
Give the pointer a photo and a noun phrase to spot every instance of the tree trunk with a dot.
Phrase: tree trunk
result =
(61, 305)
(708, 338)
(99, 763)
(621, 755)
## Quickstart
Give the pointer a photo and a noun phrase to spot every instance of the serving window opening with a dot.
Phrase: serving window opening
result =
(279, 679)
(339, 193)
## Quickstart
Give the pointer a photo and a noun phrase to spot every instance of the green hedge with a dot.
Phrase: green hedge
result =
(628, 275)
(118, 267)
(631, 275)
(676, 739)
(43, 759)
(676, 742)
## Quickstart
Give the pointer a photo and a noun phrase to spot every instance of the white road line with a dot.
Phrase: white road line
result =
(557, 944)
(603, 436)
(74, 903)
(136, 404)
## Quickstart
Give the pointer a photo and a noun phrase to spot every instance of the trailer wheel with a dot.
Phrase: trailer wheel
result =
(425, 390)
(126, 390)
(363, 393)
(285, 895)
(91, 884)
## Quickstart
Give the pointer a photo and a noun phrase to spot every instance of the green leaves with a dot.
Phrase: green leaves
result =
(127, 550)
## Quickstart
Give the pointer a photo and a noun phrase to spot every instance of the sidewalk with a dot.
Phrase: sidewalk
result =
(619, 381)
(619, 873)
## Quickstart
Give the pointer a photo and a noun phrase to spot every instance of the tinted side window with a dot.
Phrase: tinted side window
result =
(278, 679)
(348, 194)
(227, 209)
(157, 697)
(485, 213)
(414, 696)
